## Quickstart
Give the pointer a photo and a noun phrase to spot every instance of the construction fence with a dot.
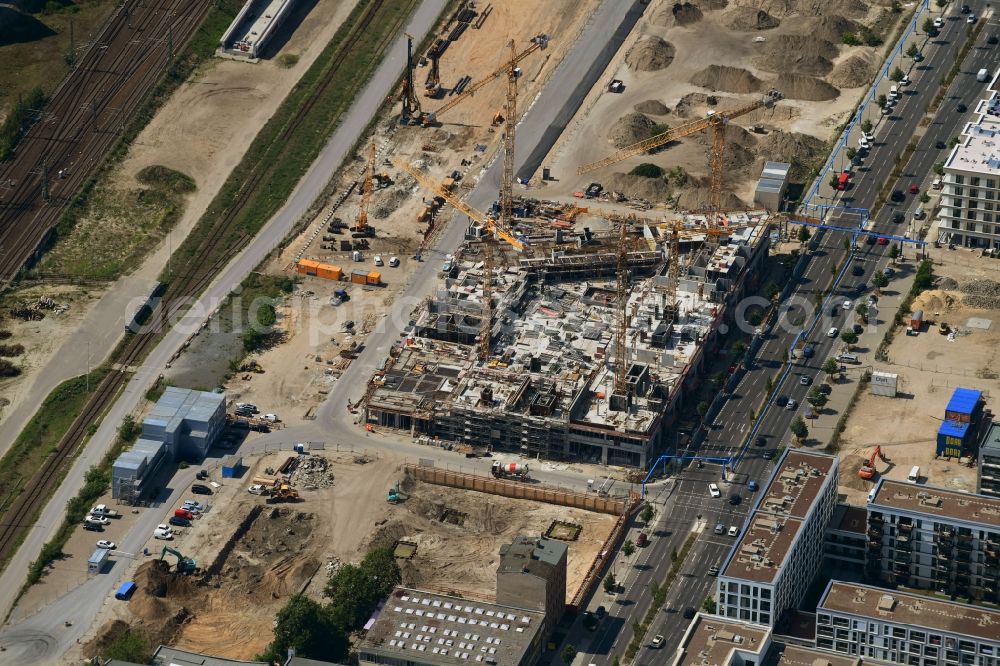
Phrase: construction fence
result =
(517, 489)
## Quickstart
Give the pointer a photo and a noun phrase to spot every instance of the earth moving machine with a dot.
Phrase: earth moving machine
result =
(867, 470)
(283, 493)
(393, 497)
(502, 470)
(185, 565)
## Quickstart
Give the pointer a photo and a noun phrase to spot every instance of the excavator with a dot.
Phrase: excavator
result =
(185, 565)
(283, 493)
(867, 470)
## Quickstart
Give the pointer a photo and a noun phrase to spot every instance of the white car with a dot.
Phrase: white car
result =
(886, 110)
(714, 491)
(939, 22)
(734, 531)
(863, 143)
(378, 260)
(868, 136)
(832, 333)
(165, 534)
(905, 81)
(94, 518)
(847, 305)
(256, 489)
(658, 641)
(393, 262)
(971, 18)
(110, 545)
(271, 418)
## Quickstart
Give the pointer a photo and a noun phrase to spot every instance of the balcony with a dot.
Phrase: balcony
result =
(874, 545)
(905, 527)
(875, 532)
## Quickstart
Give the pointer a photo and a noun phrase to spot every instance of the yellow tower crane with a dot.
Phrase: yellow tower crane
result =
(716, 121)
(361, 225)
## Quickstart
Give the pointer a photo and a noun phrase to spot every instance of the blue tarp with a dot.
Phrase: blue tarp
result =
(953, 429)
(964, 401)
(125, 591)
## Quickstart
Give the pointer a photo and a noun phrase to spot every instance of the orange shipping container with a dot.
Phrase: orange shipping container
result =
(359, 277)
(330, 272)
(374, 278)
(307, 266)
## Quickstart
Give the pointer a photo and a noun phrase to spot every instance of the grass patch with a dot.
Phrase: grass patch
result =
(285, 160)
(39, 438)
(20, 119)
(659, 593)
(288, 60)
(646, 170)
(165, 178)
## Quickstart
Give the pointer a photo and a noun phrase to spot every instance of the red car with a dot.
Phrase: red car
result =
(882, 240)
(913, 188)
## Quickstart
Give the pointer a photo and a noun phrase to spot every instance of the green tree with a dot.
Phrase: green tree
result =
(924, 278)
(929, 28)
(129, 429)
(894, 252)
(879, 280)
(769, 385)
(816, 398)
(939, 168)
(862, 311)
(709, 605)
(834, 181)
(830, 367)
(647, 513)
(912, 51)
(739, 348)
(850, 39)
(799, 428)
(129, 646)
(881, 100)
(924, 197)
(897, 75)
(354, 591)
(310, 629)
(849, 337)
(702, 409)
(866, 125)
(610, 583)
(803, 234)
(568, 653)
(673, 555)
(717, 379)
(628, 548)
(646, 170)
(851, 153)
(941, 3)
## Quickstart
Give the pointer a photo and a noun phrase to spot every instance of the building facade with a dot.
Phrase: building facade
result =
(532, 574)
(771, 566)
(988, 471)
(910, 629)
(930, 538)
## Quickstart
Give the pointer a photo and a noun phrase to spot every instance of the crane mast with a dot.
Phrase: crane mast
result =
(411, 103)
(621, 319)
(366, 192)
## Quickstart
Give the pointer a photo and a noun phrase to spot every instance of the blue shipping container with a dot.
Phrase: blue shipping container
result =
(953, 439)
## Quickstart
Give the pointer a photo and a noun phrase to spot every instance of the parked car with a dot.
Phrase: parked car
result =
(393, 262)
(825, 389)
(791, 405)
(179, 522)
(939, 22)
(100, 520)
(714, 491)
(805, 380)
(858, 329)
(658, 641)
(847, 305)
(193, 506)
(199, 489)
(165, 535)
(271, 418)
(93, 527)
(735, 499)
(713, 570)
(734, 531)
(104, 543)
(720, 528)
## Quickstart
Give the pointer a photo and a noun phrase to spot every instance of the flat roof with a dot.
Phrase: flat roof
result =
(911, 609)
(964, 401)
(450, 630)
(937, 502)
(793, 655)
(991, 443)
(953, 429)
(797, 481)
(168, 656)
(762, 548)
(535, 555)
(848, 518)
(979, 150)
(710, 641)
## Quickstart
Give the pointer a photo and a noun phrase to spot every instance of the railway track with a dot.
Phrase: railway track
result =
(85, 117)
(21, 513)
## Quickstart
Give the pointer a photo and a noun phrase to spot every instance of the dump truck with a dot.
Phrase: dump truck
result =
(502, 470)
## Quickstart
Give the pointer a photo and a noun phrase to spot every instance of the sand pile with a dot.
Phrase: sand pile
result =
(854, 72)
(935, 300)
(830, 28)
(679, 13)
(728, 79)
(653, 107)
(689, 103)
(389, 202)
(850, 8)
(745, 19)
(637, 187)
(630, 128)
(801, 54)
(711, 5)
(697, 198)
(800, 150)
(740, 147)
(650, 54)
(809, 88)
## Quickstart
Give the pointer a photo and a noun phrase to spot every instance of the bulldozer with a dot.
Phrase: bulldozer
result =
(185, 565)
(283, 493)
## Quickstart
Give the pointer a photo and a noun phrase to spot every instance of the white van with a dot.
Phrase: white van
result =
(936, 185)
(914, 474)
(848, 358)
(894, 92)
(983, 75)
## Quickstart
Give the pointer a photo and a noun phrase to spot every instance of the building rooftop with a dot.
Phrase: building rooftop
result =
(937, 502)
(980, 148)
(168, 656)
(711, 641)
(912, 609)
(991, 442)
(450, 630)
(793, 655)
(531, 555)
(964, 401)
(848, 518)
(777, 517)
(180, 403)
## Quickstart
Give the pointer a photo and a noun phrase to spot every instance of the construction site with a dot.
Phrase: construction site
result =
(217, 588)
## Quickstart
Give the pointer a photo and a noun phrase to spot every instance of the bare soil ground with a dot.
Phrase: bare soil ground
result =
(294, 547)
(930, 367)
(733, 53)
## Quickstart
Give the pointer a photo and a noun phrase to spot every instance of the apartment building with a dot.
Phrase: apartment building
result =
(771, 566)
(970, 201)
(988, 472)
(932, 538)
(901, 628)
(846, 541)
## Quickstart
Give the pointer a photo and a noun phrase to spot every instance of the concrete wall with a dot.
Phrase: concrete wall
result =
(487, 484)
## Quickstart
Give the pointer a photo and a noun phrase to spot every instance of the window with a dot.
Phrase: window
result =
(898, 632)
(822, 618)
(765, 605)
(974, 180)
(840, 622)
(765, 618)
(744, 589)
(973, 203)
(959, 179)
(991, 183)
(930, 651)
(958, 191)
(973, 193)
(918, 636)
(765, 593)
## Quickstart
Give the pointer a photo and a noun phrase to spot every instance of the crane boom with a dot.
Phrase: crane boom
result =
(716, 120)
(478, 216)
(538, 42)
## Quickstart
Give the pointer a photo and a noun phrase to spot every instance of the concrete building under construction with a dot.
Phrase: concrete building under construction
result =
(549, 387)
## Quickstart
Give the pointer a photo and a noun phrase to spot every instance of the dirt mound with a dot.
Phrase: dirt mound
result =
(830, 28)
(679, 13)
(697, 198)
(689, 103)
(650, 54)
(785, 8)
(809, 88)
(797, 53)
(948, 283)
(746, 19)
(854, 72)
(935, 300)
(852, 462)
(983, 294)
(638, 187)
(630, 128)
(800, 150)
(653, 107)
(711, 5)
(728, 79)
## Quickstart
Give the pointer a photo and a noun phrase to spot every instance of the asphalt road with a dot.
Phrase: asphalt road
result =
(689, 498)
(44, 636)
